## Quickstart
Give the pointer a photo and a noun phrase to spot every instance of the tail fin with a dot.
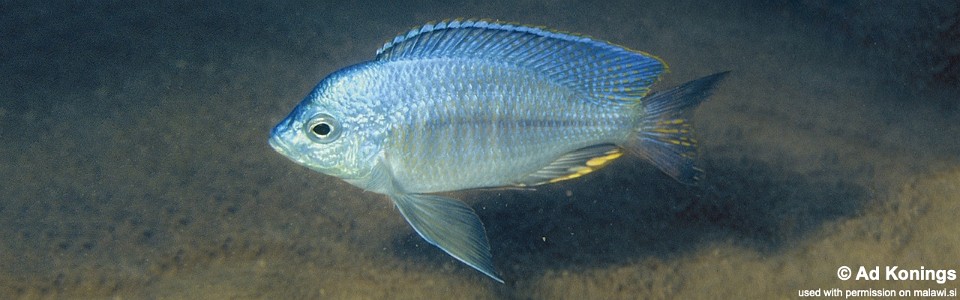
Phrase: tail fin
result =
(664, 136)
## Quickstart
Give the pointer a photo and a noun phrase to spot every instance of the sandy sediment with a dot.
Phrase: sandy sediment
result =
(134, 163)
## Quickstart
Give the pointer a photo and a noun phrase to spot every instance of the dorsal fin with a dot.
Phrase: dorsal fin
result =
(594, 67)
(573, 165)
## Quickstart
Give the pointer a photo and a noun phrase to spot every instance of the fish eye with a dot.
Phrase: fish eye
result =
(322, 128)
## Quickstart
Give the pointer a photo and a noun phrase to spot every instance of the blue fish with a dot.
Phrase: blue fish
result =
(477, 104)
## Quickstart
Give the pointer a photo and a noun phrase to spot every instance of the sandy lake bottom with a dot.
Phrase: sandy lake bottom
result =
(134, 162)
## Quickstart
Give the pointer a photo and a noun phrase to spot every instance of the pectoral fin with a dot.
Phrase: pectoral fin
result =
(450, 225)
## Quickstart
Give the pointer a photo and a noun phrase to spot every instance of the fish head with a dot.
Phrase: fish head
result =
(337, 129)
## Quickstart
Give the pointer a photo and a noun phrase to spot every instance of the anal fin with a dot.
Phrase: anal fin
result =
(573, 165)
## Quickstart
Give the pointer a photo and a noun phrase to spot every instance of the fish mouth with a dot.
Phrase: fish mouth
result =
(276, 142)
(278, 145)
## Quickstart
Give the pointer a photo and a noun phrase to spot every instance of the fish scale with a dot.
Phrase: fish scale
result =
(536, 122)
(467, 104)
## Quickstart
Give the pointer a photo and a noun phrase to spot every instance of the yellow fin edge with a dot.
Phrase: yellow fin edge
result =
(590, 165)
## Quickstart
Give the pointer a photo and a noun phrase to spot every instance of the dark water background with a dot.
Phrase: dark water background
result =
(134, 162)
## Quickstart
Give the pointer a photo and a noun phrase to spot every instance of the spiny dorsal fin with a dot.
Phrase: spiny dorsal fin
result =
(573, 165)
(597, 68)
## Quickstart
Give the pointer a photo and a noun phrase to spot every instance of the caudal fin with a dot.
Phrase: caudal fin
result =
(664, 136)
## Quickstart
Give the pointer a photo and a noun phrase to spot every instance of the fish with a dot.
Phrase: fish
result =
(472, 104)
